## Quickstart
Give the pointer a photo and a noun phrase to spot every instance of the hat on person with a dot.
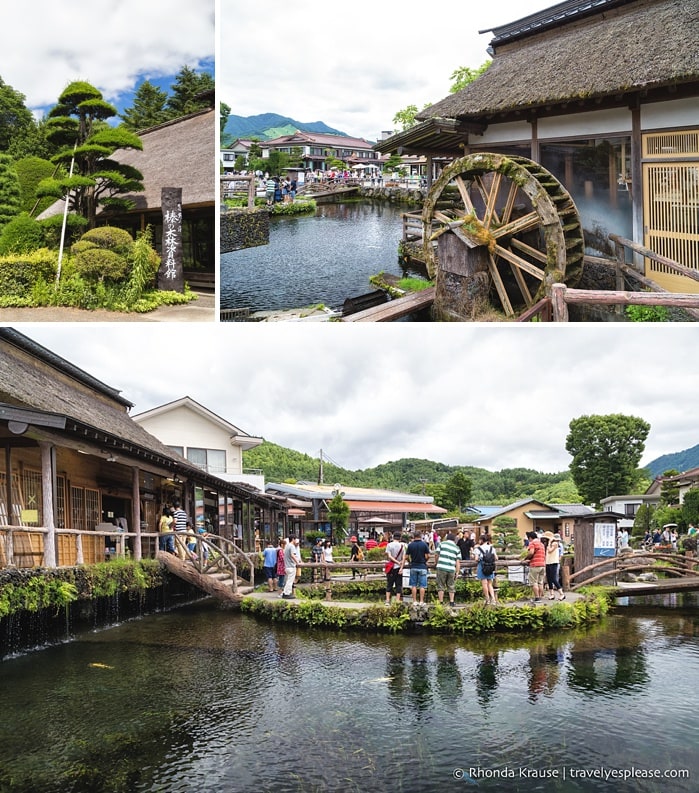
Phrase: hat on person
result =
(549, 535)
(353, 539)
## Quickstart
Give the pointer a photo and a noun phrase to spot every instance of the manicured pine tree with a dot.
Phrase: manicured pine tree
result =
(77, 122)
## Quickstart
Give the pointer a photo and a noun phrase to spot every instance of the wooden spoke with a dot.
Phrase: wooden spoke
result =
(492, 200)
(500, 287)
(465, 195)
(527, 222)
(535, 253)
(509, 204)
(522, 264)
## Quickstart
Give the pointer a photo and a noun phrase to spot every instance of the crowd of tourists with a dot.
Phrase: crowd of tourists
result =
(541, 558)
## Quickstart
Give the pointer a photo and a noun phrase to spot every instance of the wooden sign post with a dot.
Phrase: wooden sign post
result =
(171, 273)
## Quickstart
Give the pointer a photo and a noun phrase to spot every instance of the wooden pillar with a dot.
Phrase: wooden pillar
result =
(171, 274)
(136, 514)
(535, 149)
(47, 503)
(637, 185)
(558, 303)
(462, 282)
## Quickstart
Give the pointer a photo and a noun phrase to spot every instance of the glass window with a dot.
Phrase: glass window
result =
(597, 174)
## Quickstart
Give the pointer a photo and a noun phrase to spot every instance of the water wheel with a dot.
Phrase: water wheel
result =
(516, 215)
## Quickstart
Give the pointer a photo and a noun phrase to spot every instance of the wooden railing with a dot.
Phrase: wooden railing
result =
(215, 554)
(232, 185)
(680, 565)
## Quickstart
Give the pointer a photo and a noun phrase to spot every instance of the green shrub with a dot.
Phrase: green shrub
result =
(110, 238)
(20, 271)
(30, 171)
(99, 264)
(648, 313)
(21, 235)
(75, 224)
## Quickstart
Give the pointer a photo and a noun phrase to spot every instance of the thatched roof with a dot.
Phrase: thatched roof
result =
(179, 153)
(638, 47)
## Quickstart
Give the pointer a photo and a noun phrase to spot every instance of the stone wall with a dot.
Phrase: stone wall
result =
(244, 228)
(401, 195)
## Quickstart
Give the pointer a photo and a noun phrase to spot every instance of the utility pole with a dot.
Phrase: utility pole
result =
(320, 469)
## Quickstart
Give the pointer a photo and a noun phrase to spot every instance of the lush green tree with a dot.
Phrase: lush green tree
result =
(690, 507)
(255, 148)
(643, 521)
(148, 109)
(669, 491)
(606, 451)
(224, 112)
(77, 122)
(275, 163)
(393, 163)
(186, 92)
(31, 171)
(10, 197)
(505, 534)
(664, 515)
(465, 75)
(338, 515)
(458, 491)
(405, 118)
(564, 492)
(15, 117)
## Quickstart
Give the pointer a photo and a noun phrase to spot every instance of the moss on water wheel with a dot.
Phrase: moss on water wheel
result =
(517, 210)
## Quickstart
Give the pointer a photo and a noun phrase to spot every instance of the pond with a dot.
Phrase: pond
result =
(323, 258)
(207, 699)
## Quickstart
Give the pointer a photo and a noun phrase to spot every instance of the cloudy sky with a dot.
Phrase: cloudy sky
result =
(114, 45)
(352, 68)
(492, 396)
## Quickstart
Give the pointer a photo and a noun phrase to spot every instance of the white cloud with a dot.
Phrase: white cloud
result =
(47, 44)
(490, 396)
(355, 70)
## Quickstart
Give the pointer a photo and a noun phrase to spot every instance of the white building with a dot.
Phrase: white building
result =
(205, 439)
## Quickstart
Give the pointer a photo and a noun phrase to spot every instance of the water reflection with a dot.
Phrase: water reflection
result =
(204, 699)
(324, 258)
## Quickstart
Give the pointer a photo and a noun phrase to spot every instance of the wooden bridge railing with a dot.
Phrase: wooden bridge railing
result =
(232, 185)
(215, 554)
(680, 565)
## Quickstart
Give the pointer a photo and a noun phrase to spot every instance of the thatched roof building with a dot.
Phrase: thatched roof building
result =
(575, 55)
(604, 95)
(69, 437)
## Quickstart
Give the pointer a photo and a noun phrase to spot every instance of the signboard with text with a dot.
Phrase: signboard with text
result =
(605, 539)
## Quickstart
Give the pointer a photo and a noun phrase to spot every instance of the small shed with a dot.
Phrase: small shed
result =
(595, 539)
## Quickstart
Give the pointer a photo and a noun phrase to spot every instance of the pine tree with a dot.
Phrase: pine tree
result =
(148, 108)
(77, 123)
(186, 92)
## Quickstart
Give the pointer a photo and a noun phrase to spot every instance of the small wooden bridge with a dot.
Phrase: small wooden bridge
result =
(216, 565)
(683, 571)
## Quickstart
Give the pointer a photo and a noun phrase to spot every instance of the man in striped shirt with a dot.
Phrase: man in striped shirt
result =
(448, 567)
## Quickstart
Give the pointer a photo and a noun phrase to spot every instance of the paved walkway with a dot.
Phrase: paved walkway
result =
(203, 309)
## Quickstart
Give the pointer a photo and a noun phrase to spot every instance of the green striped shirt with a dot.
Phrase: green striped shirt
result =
(449, 552)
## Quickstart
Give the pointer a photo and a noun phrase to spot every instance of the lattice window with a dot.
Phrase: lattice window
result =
(60, 496)
(92, 508)
(671, 145)
(77, 508)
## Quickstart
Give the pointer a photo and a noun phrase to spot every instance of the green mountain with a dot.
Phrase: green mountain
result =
(413, 475)
(679, 461)
(266, 126)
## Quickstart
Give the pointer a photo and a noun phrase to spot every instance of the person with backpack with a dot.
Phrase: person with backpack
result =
(485, 572)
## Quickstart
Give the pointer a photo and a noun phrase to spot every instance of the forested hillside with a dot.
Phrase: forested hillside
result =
(413, 475)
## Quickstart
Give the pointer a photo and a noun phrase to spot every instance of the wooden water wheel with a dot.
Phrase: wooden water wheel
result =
(516, 215)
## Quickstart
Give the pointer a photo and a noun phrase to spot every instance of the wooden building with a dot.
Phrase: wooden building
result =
(604, 95)
(75, 462)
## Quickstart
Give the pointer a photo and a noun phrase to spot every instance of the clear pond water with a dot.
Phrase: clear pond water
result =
(324, 258)
(205, 699)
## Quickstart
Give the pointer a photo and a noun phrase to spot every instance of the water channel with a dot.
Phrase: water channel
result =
(205, 699)
(323, 258)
